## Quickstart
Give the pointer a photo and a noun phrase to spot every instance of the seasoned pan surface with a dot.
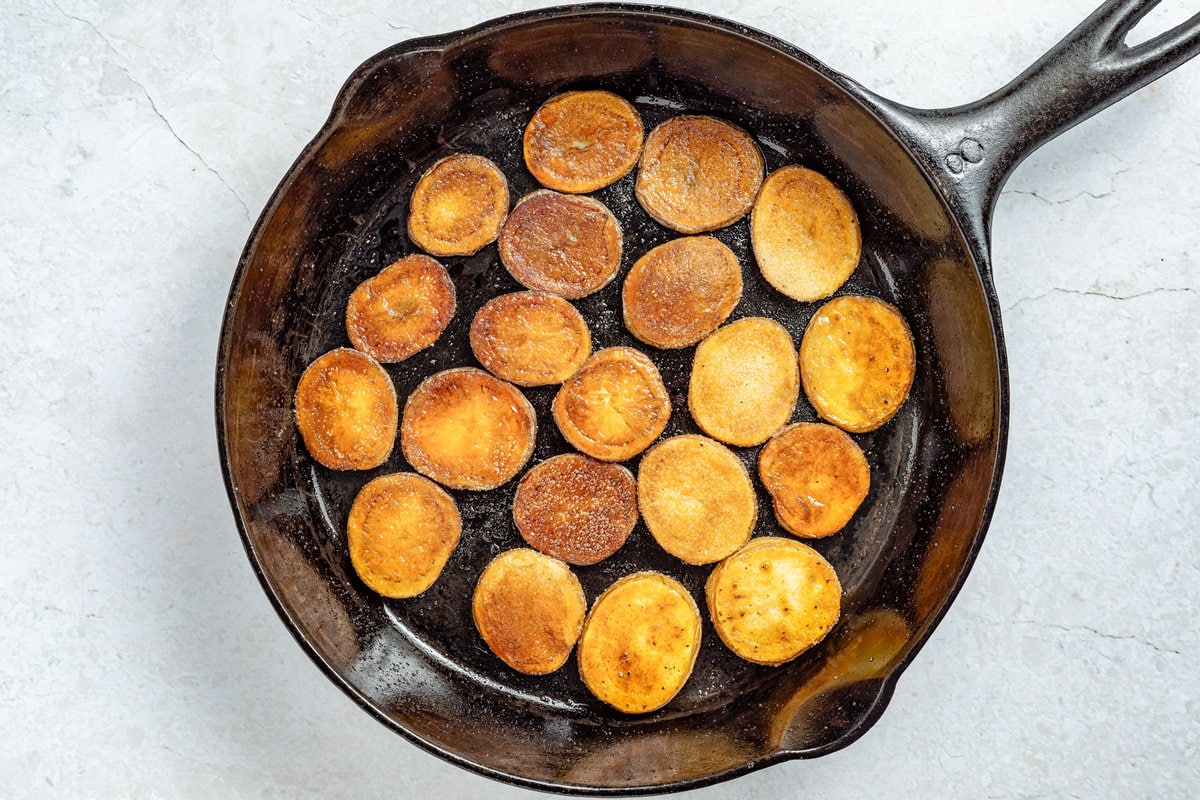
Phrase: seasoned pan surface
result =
(437, 617)
(418, 664)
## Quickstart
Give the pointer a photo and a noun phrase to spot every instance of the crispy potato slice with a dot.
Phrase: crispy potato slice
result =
(401, 532)
(817, 477)
(467, 429)
(773, 599)
(805, 233)
(857, 361)
(530, 338)
(402, 310)
(579, 142)
(458, 206)
(697, 498)
(615, 406)
(346, 410)
(698, 173)
(561, 243)
(639, 642)
(744, 382)
(679, 292)
(529, 609)
(576, 508)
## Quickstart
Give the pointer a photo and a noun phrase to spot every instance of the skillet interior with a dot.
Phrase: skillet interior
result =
(338, 218)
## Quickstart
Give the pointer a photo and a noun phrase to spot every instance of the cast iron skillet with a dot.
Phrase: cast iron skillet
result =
(924, 184)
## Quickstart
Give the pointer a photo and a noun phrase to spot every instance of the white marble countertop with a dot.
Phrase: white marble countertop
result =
(138, 140)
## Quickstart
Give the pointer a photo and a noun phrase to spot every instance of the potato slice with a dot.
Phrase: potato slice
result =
(615, 406)
(458, 206)
(857, 361)
(530, 338)
(560, 243)
(467, 429)
(576, 508)
(817, 477)
(402, 310)
(401, 532)
(529, 609)
(697, 498)
(639, 642)
(679, 292)
(579, 142)
(773, 599)
(805, 233)
(346, 410)
(744, 382)
(698, 174)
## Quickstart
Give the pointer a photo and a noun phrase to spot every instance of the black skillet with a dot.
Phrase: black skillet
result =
(924, 184)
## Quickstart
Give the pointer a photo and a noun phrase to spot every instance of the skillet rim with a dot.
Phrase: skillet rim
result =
(980, 260)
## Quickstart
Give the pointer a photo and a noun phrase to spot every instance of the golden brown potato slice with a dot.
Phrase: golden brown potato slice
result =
(579, 142)
(817, 477)
(805, 233)
(697, 498)
(529, 609)
(639, 642)
(402, 310)
(614, 406)
(857, 361)
(401, 532)
(773, 599)
(346, 410)
(576, 508)
(458, 206)
(679, 292)
(530, 338)
(467, 429)
(698, 174)
(744, 382)
(560, 243)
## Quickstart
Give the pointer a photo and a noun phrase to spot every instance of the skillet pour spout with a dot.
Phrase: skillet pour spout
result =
(924, 183)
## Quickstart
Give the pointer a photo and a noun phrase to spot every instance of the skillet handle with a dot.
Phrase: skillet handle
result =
(972, 149)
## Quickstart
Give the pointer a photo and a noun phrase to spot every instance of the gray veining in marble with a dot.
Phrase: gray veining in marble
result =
(140, 658)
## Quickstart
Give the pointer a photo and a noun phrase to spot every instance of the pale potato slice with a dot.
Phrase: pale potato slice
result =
(857, 362)
(805, 233)
(639, 642)
(697, 498)
(530, 338)
(458, 206)
(579, 142)
(401, 532)
(346, 410)
(744, 382)
(467, 429)
(402, 310)
(529, 609)
(615, 406)
(561, 243)
(679, 292)
(773, 599)
(698, 173)
(576, 508)
(817, 477)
